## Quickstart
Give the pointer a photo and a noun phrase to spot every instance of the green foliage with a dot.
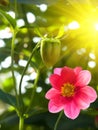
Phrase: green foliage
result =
(7, 98)
(9, 18)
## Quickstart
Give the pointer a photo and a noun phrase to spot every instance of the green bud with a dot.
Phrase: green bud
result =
(50, 51)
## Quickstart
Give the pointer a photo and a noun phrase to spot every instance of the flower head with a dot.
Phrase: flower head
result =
(70, 91)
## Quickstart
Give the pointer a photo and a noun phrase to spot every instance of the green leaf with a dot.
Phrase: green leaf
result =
(7, 98)
(61, 32)
(9, 18)
(9, 120)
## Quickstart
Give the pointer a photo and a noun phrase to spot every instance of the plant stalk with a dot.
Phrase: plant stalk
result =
(33, 91)
(20, 85)
(58, 119)
(21, 123)
(12, 64)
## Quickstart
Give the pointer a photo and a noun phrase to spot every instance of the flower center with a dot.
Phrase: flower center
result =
(67, 90)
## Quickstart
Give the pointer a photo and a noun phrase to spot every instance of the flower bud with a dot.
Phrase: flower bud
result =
(50, 51)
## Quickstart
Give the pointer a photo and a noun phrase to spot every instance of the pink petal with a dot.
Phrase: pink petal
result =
(71, 110)
(85, 96)
(51, 93)
(77, 70)
(56, 81)
(90, 93)
(83, 78)
(68, 75)
(57, 71)
(81, 102)
(55, 105)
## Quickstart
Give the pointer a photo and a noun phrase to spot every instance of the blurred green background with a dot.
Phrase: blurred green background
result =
(79, 47)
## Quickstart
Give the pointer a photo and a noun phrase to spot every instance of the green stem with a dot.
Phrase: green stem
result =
(20, 85)
(21, 123)
(12, 64)
(33, 91)
(58, 119)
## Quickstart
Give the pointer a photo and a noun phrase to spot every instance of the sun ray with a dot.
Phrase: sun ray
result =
(81, 23)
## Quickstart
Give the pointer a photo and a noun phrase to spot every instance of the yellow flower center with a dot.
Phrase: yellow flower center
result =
(67, 90)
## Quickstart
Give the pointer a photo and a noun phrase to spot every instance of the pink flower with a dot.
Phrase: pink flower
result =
(70, 91)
